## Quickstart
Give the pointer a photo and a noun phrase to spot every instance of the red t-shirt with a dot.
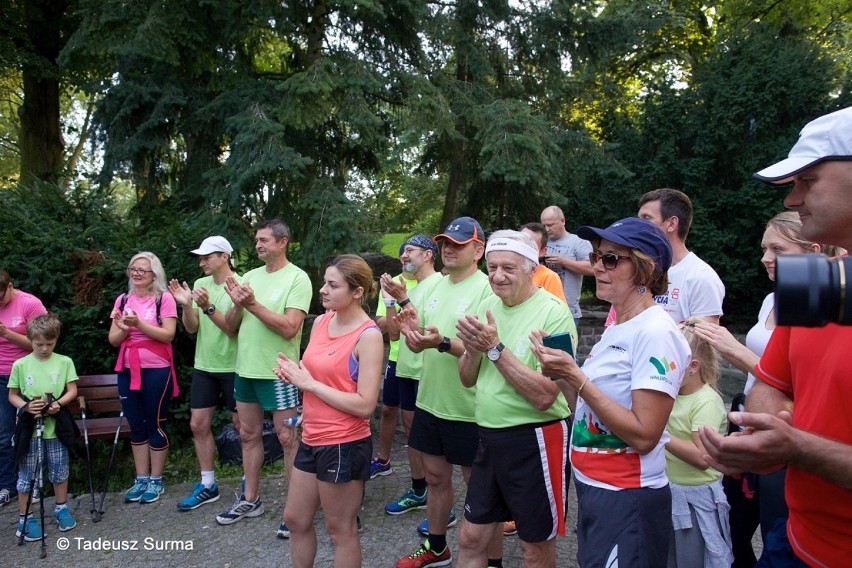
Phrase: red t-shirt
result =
(812, 365)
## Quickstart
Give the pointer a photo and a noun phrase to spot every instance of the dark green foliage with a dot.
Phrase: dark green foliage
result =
(747, 102)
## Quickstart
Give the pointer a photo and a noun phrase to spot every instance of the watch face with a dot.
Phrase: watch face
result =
(495, 352)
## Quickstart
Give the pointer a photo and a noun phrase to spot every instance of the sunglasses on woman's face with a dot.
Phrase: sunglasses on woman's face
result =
(609, 260)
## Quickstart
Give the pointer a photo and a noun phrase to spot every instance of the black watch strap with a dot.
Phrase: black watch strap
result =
(445, 345)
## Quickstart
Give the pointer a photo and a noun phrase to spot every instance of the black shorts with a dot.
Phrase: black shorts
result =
(522, 474)
(206, 388)
(337, 463)
(454, 440)
(630, 527)
(399, 391)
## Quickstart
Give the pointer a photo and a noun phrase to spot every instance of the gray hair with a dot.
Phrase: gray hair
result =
(159, 284)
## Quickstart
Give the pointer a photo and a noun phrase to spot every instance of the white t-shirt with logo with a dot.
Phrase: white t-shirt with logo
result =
(694, 290)
(645, 352)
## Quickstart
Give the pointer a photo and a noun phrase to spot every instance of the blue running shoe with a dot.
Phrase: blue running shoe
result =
(153, 492)
(200, 496)
(31, 529)
(379, 467)
(423, 528)
(283, 532)
(135, 493)
(64, 519)
(408, 502)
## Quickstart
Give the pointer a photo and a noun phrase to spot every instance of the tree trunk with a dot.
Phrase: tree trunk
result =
(42, 147)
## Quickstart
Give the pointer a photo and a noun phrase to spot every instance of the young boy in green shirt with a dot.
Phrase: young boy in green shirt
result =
(33, 377)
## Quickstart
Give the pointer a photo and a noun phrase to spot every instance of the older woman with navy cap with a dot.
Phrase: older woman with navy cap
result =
(621, 399)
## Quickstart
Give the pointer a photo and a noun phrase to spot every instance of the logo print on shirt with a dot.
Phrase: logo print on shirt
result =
(663, 366)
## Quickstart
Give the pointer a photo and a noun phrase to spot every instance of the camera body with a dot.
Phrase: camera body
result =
(812, 290)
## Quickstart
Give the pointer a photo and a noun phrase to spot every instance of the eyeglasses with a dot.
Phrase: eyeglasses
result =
(139, 271)
(609, 260)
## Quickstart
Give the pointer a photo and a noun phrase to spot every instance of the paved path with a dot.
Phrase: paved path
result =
(165, 537)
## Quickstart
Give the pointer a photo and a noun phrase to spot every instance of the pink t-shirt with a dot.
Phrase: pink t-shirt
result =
(15, 316)
(146, 309)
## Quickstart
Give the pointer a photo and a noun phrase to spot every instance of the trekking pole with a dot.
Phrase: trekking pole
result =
(96, 515)
(111, 458)
(40, 459)
(37, 469)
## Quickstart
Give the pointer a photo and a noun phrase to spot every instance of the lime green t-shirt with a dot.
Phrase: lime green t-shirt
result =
(35, 378)
(215, 352)
(382, 311)
(408, 363)
(498, 405)
(258, 346)
(441, 391)
(691, 412)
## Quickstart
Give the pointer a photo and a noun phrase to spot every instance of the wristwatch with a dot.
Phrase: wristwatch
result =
(494, 353)
(445, 345)
(210, 310)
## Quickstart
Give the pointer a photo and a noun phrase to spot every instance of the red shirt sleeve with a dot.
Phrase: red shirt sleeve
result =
(774, 366)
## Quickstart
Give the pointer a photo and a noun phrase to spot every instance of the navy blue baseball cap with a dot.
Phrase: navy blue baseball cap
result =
(422, 241)
(463, 230)
(634, 233)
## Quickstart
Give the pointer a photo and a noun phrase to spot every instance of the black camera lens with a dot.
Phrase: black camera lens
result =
(811, 290)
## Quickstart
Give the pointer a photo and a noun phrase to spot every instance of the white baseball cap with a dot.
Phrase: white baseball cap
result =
(823, 139)
(213, 244)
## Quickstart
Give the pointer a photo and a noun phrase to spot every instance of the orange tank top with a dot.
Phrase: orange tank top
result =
(331, 361)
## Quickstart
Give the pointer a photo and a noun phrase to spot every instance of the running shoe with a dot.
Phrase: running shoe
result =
(509, 528)
(6, 496)
(283, 532)
(135, 493)
(241, 508)
(31, 530)
(64, 519)
(408, 502)
(380, 468)
(200, 496)
(423, 528)
(425, 557)
(153, 492)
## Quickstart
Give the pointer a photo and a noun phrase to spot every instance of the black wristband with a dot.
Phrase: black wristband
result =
(404, 302)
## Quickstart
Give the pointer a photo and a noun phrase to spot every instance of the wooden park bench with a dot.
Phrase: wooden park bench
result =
(100, 395)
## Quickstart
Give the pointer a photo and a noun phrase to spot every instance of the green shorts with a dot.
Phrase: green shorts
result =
(270, 394)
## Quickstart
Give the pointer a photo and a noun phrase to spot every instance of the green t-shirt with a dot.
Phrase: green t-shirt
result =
(441, 391)
(258, 346)
(408, 363)
(215, 352)
(34, 378)
(498, 405)
(691, 412)
(382, 311)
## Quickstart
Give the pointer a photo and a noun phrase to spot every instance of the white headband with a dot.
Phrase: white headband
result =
(512, 245)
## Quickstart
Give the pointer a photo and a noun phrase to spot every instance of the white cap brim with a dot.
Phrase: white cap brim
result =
(783, 172)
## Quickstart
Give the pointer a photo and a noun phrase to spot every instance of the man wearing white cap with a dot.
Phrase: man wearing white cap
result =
(810, 366)
(203, 312)
(520, 472)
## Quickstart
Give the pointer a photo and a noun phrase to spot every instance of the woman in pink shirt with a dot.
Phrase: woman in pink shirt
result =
(143, 325)
(339, 376)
